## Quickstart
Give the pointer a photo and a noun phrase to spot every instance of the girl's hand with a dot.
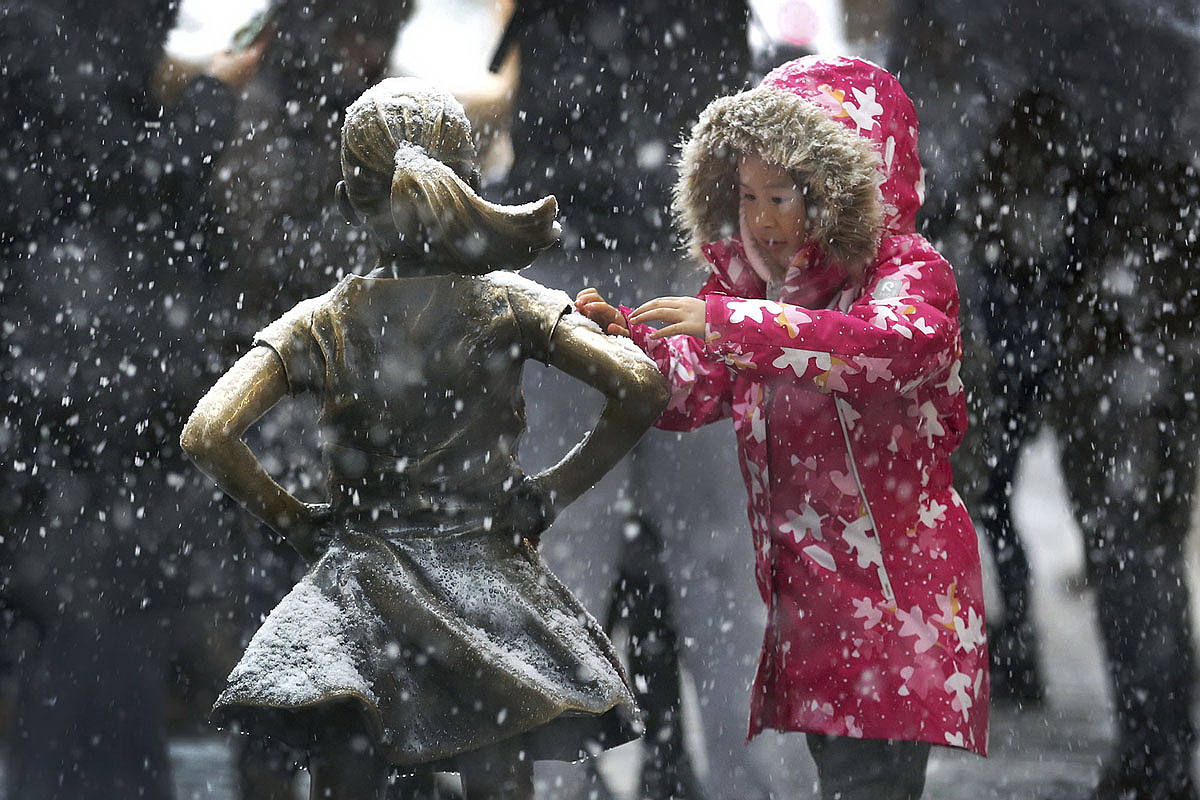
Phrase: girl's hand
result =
(589, 303)
(679, 315)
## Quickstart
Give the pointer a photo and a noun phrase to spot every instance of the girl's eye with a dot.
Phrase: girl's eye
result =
(748, 197)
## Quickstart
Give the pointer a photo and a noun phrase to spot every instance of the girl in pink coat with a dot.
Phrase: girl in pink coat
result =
(828, 331)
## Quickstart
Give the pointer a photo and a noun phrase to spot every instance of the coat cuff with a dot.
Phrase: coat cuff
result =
(640, 334)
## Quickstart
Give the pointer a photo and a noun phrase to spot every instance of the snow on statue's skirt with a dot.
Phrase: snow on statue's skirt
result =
(447, 643)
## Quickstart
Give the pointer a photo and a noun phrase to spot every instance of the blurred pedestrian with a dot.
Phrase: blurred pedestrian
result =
(605, 91)
(282, 238)
(1022, 193)
(1090, 222)
(597, 113)
(104, 263)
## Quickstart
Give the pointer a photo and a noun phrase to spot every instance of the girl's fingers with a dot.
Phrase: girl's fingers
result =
(589, 303)
(661, 332)
(655, 308)
(603, 318)
(667, 315)
(593, 303)
(615, 329)
(678, 315)
(588, 297)
(658, 302)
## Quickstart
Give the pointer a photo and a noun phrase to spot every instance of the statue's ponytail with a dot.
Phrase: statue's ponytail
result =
(439, 216)
(407, 154)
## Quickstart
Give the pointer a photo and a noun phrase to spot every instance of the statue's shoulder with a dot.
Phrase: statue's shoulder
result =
(339, 298)
(525, 294)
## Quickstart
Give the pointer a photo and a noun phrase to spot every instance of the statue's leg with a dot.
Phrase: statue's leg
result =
(345, 765)
(347, 774)
(498, 772)
(264, 769)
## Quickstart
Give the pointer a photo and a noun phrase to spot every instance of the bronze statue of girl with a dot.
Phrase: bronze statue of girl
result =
(427, 634)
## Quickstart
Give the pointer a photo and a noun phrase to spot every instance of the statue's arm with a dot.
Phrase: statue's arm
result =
(636, 394)
(212, 438)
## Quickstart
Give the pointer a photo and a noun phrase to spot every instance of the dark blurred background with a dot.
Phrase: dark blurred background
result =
(159, 206)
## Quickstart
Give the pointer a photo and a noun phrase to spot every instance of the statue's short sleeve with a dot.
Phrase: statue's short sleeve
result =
(294, 340)
(538, 310)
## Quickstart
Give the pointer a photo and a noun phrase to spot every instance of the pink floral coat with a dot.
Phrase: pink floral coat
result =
(846, 416)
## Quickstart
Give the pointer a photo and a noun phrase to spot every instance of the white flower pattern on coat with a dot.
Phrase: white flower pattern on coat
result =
(799, 360)
(912, 623)
(959, 685)
(805, 523)
(821, 556)
(865, 610)
(861, 539)
(742, 310)
(970, 633)
(866, 111)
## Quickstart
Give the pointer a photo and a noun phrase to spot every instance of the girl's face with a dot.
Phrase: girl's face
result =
(773, 207)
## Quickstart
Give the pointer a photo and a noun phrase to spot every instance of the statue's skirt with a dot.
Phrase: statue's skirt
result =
(446, 639)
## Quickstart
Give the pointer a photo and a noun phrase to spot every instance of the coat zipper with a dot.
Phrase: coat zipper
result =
(884, 581)
(773, 612)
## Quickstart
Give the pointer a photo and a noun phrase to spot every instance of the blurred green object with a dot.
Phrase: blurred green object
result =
(245, 36)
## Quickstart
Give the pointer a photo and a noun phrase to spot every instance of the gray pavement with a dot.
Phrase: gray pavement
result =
(1053, 752)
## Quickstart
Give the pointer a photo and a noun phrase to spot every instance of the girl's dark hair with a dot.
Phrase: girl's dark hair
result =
(407, 154)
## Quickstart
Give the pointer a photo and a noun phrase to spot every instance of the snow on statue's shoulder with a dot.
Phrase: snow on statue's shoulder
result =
(530, 293)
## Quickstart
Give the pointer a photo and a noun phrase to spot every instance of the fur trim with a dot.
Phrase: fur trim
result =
(839, 168)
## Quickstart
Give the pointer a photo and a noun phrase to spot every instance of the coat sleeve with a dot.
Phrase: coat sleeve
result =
(901, 332)
(701, 386)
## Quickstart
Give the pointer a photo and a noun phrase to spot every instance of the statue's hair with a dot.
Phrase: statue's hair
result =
(407, 150)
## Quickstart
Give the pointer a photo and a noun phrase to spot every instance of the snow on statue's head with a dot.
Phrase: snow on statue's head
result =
(410, 174)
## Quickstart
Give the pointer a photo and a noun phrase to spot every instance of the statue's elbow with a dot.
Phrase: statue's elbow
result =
(654, 394)
(196, 438)
(662, 395)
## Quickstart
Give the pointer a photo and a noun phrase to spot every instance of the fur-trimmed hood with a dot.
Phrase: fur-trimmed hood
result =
(844, 125)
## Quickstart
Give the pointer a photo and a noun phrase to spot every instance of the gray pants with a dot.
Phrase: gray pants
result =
(869, 769)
